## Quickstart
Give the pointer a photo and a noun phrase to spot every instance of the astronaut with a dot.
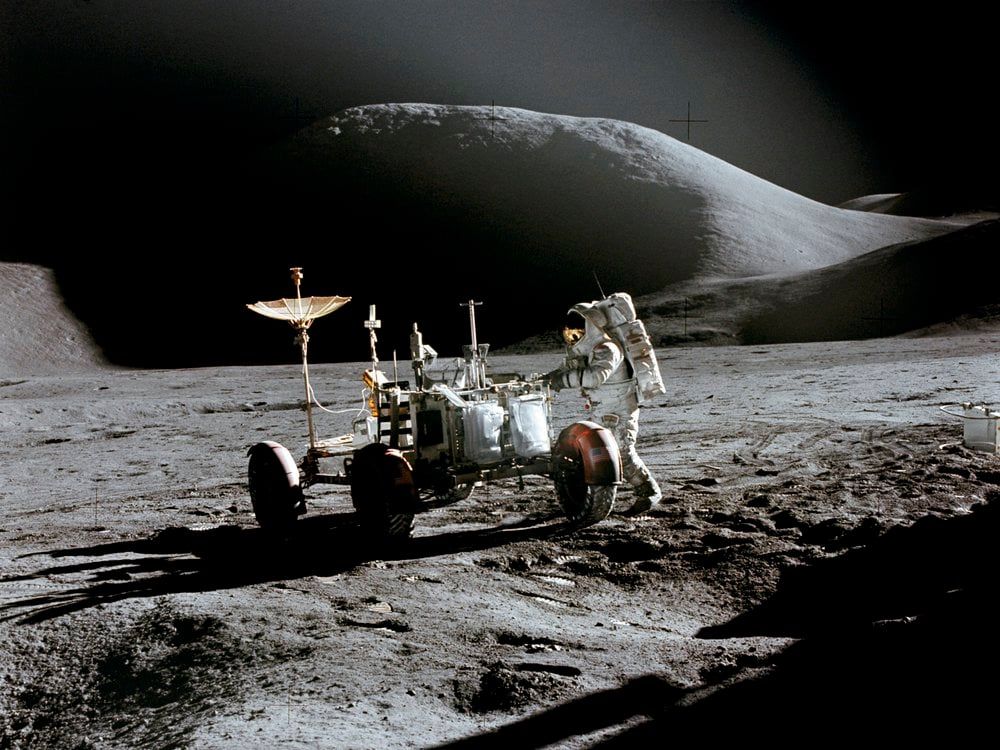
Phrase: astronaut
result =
(599, 364)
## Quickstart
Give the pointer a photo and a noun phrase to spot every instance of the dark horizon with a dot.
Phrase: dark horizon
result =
(127, 130)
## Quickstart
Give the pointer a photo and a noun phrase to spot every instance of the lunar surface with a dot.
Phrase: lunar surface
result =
(818, 567)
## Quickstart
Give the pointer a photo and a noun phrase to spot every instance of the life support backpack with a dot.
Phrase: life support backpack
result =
(624, 327)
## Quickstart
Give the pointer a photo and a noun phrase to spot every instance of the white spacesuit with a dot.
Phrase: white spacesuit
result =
(598, 365)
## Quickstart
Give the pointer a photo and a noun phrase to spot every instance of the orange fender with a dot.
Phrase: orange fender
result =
(283, 457)
(595, 447)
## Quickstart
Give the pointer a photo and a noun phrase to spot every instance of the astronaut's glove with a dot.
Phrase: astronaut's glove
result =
(555, 379)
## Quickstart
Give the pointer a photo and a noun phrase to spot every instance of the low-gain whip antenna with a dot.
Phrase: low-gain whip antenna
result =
(300, 313)
(599, 287)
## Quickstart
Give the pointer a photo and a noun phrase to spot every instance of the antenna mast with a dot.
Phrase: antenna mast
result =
(475, 366)
(301, 326)
(599, 287)
(372, 324)
(300, 313)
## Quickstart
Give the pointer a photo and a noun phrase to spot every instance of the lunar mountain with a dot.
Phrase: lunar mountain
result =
(634, 191)
(39, 334)
(571, 196)
(416, 207)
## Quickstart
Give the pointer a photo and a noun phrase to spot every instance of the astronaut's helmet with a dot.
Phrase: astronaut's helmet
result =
(573, 328)
(583, 329)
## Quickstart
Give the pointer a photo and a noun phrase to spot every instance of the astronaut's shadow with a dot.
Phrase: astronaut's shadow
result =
(182, 560)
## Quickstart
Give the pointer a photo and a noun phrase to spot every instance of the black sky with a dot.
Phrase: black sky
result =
(125, 123)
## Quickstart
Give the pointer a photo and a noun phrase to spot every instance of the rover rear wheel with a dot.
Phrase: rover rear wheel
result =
(383, 493)
(273, 481)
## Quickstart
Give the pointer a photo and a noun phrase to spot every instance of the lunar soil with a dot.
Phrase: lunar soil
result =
(818, 567)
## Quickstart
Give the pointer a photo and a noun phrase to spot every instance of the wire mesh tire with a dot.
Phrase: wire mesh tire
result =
(383, 493)
(454, 494)
(273, 481)
(584, 504)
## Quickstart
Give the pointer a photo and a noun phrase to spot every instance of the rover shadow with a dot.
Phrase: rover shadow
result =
(642, 696)
(178, 559)
(897, 643)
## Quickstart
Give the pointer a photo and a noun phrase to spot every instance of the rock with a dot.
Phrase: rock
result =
(786, 519)
(823, 532)
(688, 524)
(632, 550)
(864, 533)
(725, 538)
(560, 669)
(502, 688)
(719, 518)
(520, 563)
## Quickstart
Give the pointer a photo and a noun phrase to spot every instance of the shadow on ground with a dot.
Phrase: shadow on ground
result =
(179, 559)
(897, 643)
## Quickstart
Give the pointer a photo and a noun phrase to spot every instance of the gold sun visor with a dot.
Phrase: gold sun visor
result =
(299, 310)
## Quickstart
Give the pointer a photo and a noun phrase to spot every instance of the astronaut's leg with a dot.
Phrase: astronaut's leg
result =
(625, 428)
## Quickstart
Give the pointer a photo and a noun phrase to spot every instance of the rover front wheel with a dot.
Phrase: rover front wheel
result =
(383, 493)
(273, 481)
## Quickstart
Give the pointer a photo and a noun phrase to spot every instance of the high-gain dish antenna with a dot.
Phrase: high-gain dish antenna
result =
(300, 313)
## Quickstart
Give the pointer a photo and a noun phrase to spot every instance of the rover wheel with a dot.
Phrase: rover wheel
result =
(273, 481)
(454, 494)
(583, 503)
(383, 493)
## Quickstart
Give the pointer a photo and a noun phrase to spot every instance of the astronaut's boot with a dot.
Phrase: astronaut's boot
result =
(647, 495)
